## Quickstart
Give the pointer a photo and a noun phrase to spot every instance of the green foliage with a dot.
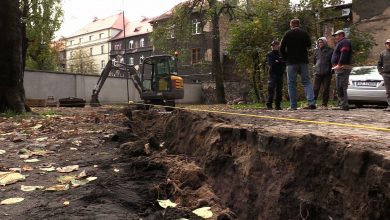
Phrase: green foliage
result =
(175, 34)
(362, 44)
(250, 37)
(42, 19)
(82, 62)
(13, 114)
(50, 112)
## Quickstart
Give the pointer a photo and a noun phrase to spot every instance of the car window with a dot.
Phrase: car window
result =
(364, 71)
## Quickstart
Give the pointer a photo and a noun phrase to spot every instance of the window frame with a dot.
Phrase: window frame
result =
(196, 26)
(196, 57)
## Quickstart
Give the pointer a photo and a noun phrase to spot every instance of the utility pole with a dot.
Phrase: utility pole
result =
(124, 51)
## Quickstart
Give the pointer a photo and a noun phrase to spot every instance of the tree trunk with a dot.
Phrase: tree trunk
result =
(216, 57)
(255, 73)
(11, 61)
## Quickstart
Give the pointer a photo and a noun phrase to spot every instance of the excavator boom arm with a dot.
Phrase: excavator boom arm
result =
(130, 72)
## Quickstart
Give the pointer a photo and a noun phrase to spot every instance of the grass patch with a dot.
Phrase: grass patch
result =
(50, 112)
(13, 114)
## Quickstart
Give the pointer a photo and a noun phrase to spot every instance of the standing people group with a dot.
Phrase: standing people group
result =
(294, 50)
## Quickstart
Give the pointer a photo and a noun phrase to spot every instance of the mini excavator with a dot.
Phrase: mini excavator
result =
(157, 83)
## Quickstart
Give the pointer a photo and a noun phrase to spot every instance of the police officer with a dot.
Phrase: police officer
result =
(275, 76)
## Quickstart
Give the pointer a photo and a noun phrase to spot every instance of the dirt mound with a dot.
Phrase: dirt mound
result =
(260, 174)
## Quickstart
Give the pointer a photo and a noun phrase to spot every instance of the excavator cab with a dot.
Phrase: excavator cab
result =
(157, 83)
(160, 83)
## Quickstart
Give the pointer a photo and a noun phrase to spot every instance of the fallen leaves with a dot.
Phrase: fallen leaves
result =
(30, 188)
(61, 187)
(7, 178)
(166, 203)
(31, 160)
(203, 212)
(67, 169)
(41, 139)
(11, 201)
(47, 169)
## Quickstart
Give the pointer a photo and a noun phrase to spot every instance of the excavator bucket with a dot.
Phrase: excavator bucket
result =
(94, 100)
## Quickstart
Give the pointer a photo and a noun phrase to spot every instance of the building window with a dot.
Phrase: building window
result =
(80, 40)
(195, 55)
(171, 32)
(142, 42)
(141, 59)
(196, 27)
(196, 81)
(131, 44)
(118, 46)
(102, 49)
(71, 42)
(101, 35)
(71, 54)
(90, 37)
(102, 64)
(131, 61)
(90, 51)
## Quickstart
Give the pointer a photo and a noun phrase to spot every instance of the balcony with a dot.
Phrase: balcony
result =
(117, 52)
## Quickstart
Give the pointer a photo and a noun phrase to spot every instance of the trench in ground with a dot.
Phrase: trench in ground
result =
(248, 172)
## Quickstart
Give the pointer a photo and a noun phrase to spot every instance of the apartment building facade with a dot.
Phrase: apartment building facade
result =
(93, 41)
(133, 44)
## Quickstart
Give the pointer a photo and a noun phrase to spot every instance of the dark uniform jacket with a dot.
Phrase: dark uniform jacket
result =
(275, 62)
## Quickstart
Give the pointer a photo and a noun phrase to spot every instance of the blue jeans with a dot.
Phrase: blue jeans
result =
(292, 72)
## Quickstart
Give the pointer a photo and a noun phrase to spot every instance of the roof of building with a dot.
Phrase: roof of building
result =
(134, 28)
(166, 14)
(114, 21)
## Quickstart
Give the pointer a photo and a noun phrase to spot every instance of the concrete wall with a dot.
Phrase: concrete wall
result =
(40, 85)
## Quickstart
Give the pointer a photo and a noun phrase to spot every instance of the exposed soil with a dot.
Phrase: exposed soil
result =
(242, 167)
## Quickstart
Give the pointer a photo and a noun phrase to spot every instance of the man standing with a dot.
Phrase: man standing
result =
(341, 62)
(293, 48)
(275, 76)
(323, 70)
(384, 69)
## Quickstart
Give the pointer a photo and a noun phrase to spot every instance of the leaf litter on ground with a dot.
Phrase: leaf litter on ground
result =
(7, 178)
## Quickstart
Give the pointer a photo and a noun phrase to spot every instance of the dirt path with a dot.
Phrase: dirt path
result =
(140, 160)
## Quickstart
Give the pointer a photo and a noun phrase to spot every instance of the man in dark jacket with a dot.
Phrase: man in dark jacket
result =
(384, 69)
(293, 48)
(275, 76)
(341, 62)
(323, 70)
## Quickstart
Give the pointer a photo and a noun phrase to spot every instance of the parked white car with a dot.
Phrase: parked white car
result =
(366, 86)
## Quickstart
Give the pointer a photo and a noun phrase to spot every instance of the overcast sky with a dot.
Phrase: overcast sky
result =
(78, 13)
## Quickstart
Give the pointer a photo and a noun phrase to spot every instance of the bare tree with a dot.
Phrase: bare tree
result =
(12, 96)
